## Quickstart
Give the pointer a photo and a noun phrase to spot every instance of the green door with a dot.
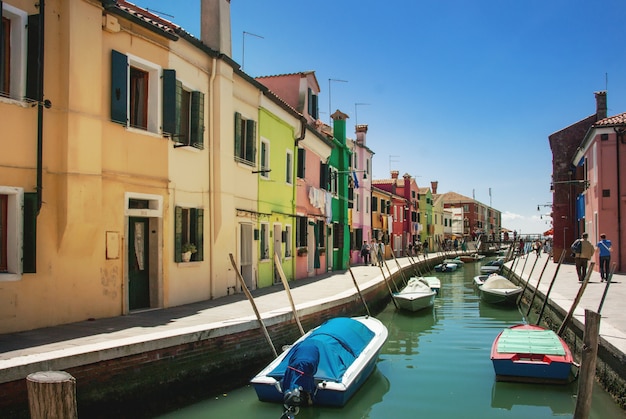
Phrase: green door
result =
(138, 276)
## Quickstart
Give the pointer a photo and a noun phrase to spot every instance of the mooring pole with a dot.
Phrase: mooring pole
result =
(545, 300)
(526, 284)
(588, 365)
(579, 295)
(359, 291)
(530, 305)
(283, 278)
(244, 287)
(52, 394)
(606, 287)
(388, 287)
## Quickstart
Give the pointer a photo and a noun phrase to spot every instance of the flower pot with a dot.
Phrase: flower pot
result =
(186, 256)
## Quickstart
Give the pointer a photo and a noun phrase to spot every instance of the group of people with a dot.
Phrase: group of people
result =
(373, 253)
(583, 250)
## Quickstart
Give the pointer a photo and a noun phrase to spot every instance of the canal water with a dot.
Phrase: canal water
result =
(435, 364)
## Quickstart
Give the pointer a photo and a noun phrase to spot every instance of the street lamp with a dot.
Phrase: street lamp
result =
(330, 119)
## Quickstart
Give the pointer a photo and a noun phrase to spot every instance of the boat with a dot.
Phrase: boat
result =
(474, 257)
(457, 261)
(446, 267)
(433, 282)
(480, 279)
(498, 290)
(416, 296)
(492, 266)
(529, 353)
(324, 367)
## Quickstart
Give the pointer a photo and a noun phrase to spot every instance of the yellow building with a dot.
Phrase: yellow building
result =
(139, 142)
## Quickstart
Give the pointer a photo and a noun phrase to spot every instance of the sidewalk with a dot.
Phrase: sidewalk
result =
(65, 346)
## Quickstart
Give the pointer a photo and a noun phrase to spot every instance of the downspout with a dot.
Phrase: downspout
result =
(211, 176)
(40, 105)
(619, 132)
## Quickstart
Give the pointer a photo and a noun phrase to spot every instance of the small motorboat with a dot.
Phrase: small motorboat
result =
(446, 267)
(324, 367)
(417, 295)
(433, 282)
(457, 261)
(498, 290)
(492, 266)
(480, 279)
(529, 353)
(474, 257)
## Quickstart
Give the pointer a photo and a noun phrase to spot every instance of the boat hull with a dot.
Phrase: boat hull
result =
(415, 303)
(327, 392)
(528, 353)
(500, 296)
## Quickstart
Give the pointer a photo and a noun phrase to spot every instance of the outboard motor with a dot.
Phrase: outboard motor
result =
(299, 378)
(291, 403)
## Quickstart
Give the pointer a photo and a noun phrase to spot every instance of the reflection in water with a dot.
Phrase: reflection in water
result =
(559, 398)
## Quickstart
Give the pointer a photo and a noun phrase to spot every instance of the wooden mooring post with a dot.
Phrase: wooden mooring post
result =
(52, 395)
(588, 365)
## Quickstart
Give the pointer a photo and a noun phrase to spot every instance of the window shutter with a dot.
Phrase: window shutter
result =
(178, 234)
(309, 101)
(32, 59)
(300, 170)
(315, 106)
(324, 176)
(119, 87)
(374, 204)
(238, 134)
(29, 250)
(199, 213)
(170, 111)
(197, 120)
(251, 140)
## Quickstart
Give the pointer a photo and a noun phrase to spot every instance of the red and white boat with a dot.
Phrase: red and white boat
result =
(529, 353)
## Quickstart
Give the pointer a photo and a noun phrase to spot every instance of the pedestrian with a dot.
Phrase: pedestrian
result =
(521, 247)
(425, 247)
(381, 253)
(374, 253)
(582, 254)
(538, 248)
(604, 245)
(365, 251)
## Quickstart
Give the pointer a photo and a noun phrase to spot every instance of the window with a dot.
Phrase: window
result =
(265, 158)
(19, 53)
(245, 140)
(301, 231)
(289, 167)
(374, 204)
(321, 234)
(333, 186)
(338, 235)
(265, 240)
(288, 250)
(183, 112)
(312, 104)
(301, 163)
(189, 228)
(17, 246)
(358, 203)
(135, 92)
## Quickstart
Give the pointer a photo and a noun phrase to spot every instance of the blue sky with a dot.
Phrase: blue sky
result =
(461, 92)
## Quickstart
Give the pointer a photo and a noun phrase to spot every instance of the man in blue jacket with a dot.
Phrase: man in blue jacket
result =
(604, 246)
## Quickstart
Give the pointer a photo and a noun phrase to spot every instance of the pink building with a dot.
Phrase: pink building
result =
(600, 207)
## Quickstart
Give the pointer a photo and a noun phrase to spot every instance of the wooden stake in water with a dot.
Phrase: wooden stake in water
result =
(587, 375)
(283, 278)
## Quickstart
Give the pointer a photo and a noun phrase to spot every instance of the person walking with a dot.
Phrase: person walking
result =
(374, 253)
(604, 245)
(365, 252)
(381, 253)
(583, 253)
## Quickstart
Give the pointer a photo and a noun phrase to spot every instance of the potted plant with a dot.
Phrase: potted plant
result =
(302, 251)
(321, 250)
(187, 250)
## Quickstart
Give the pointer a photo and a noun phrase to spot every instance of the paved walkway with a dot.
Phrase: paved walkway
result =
(64, 346)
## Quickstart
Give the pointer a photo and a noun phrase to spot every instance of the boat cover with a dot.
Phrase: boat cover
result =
(339, 342)
(530, 342)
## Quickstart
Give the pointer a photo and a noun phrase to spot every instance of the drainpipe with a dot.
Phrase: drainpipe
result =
(40, 105)
(619, 132)
(211, 177)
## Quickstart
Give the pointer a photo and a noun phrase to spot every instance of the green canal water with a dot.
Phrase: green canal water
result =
(435, 364)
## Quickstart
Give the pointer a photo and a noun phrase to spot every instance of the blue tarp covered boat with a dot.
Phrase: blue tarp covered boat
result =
(329, 363)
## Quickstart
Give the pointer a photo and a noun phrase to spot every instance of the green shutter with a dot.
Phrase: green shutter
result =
(119, 87)
(251, 140)
(29, 249)
(199, 234)
(238, 135)
(197, 120)
(170, 112)
(32, 58)
(178, 234)
(324, 176)
(300, 170)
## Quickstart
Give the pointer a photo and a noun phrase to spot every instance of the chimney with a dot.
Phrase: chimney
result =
(394, 174)
(361, 132)
(433, 186)
(600, 105)
(215, 25)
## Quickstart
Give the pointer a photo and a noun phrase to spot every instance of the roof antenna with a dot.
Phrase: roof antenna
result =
(159, 13)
